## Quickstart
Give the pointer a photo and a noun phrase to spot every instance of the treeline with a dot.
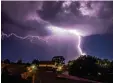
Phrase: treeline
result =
(93, 68)
(56, 59)
(7, 61)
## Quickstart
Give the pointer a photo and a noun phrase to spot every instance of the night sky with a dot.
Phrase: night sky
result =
(93, 19)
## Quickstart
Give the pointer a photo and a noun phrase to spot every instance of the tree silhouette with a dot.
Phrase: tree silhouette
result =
(84, 65)
(2, 61)
(111, 67)
(19, 61)
(92, 68)
(7, 61)
(27, 63)
(58, 59)
(35, 61)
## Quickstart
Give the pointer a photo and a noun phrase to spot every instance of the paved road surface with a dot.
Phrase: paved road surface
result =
(50, 77)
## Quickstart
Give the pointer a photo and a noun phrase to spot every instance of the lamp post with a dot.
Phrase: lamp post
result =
(34, 71)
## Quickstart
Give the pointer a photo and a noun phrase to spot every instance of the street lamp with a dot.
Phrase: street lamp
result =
(59, 68)
(32, 72)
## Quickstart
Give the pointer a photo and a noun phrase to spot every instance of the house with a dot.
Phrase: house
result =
(47, 64)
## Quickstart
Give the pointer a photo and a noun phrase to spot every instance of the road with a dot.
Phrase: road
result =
(50, 77)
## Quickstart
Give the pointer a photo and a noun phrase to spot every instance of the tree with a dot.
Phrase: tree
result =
(7, 61)
(58, 59)
(83, 66)
(92, 68)
(19, 61)
(2, 61)
(27, 63)
(111, 66)
(35, 61)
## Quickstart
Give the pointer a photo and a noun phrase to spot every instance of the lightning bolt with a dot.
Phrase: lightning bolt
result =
(79, 46)
(60, 31)
(30, 37)
(55, 31)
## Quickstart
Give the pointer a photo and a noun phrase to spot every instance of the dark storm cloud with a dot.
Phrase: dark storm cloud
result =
(10, 26)
(97, 15)
(107, 11)
(32, 16)
(50, 9)
(5, 18)
(15, 15)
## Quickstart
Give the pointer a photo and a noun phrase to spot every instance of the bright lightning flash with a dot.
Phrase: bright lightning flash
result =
(30, 37)
(54, 30)
(59, 31)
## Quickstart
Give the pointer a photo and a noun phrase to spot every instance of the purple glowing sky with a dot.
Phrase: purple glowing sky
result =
(56, 31)
(54, 23)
